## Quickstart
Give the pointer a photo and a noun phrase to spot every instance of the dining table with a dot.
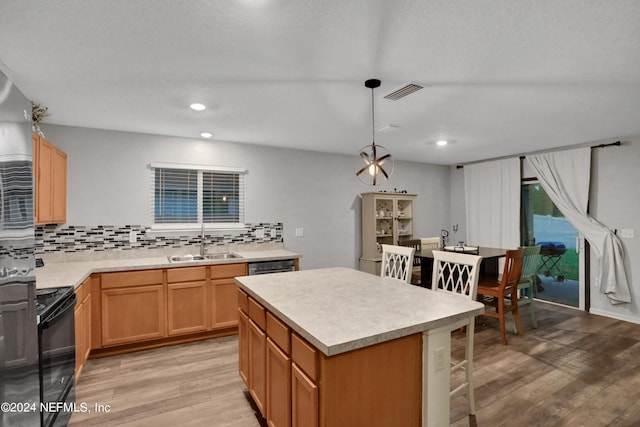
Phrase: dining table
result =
(488, 265)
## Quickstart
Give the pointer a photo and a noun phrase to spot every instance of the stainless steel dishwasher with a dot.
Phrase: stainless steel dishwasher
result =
(266, 267)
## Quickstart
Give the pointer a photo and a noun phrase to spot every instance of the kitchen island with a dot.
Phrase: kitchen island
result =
(361, 350)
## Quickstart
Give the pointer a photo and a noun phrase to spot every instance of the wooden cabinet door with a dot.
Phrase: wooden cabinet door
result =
(304, 399)
(86, 326)
(225, 303)
(43, 187)
(187, 307)
(78, 318)
(35, 145)
(133, 314)
(278, 387)
(59, 187)
(257, 365)
(243, 346)
(50, 173)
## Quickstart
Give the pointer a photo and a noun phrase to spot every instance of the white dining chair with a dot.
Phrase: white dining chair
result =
(457, 273)
(397, 262)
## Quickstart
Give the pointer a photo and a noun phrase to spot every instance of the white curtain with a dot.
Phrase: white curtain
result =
(565, 175)
(492, 197)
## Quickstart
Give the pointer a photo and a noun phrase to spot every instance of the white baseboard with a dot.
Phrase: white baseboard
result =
(599, 312)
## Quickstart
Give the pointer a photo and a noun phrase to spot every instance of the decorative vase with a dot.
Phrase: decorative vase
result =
(36, 128)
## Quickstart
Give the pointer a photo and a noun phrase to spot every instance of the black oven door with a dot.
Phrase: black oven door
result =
(57, 363)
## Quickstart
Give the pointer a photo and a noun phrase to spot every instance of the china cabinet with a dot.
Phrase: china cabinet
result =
(387, 218)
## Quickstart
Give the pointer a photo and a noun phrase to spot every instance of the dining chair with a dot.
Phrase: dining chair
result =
(458, 273)
(528, 281)
(397, 262)
(416, 270)
(495, 293)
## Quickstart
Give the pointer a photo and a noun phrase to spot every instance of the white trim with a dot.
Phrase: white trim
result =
(208, 168)
(618, 316)
(192, 229)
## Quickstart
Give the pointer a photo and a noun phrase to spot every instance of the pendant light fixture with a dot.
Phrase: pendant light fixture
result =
(374, 163)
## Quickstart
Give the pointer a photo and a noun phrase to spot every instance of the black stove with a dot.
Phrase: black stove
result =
(48, 299)
(56, 345)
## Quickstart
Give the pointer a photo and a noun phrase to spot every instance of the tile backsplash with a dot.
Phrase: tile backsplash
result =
(77, 238)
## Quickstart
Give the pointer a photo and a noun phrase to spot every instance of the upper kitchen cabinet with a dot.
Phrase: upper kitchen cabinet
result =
(387, 218)
(50, 171)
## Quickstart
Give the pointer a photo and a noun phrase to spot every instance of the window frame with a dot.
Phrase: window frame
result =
(187, 226)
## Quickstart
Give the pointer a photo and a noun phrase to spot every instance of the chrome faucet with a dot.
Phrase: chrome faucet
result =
(202, 251)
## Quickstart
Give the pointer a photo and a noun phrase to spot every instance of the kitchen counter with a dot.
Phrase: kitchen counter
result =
(384, 345)
(340, 309)
(73, 273)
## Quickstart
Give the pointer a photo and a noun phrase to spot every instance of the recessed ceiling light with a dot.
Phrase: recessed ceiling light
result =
(442, 142)
(198, 106)
(206, 134)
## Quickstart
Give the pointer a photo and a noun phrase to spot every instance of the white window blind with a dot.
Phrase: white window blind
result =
(191, 194)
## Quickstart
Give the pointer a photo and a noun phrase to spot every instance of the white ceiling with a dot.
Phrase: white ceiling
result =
(504, 77)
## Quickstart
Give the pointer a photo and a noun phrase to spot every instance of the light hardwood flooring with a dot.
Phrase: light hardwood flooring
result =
(576, 369)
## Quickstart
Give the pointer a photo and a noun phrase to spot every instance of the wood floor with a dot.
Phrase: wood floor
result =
(576, 369)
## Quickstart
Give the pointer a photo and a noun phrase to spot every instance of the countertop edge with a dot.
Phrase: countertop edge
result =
(58, 274)
(332, 350)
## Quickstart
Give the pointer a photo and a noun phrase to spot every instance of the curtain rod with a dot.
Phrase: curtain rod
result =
(617, 144)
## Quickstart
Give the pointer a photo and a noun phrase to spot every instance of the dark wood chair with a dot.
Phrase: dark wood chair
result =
(503, 295)
(416, 271)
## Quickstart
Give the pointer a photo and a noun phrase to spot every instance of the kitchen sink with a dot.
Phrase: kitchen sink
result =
(190, 257)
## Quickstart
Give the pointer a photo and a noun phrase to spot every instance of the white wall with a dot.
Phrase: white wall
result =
(614, 201)
(109, 183)
(458, 228)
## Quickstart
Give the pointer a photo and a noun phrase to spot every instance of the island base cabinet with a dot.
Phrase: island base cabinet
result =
(257, 365)
(374, 386)
(304, 400)
(243, 346)
(278, 387)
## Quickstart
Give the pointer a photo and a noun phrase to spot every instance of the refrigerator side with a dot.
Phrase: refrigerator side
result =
(19, 364)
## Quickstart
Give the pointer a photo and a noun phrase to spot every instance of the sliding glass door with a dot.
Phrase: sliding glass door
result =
(559, 273)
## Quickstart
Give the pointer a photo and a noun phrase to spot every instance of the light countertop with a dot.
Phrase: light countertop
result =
(73, 273)
(340, 309)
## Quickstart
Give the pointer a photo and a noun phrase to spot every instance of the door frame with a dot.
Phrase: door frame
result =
(584, 259)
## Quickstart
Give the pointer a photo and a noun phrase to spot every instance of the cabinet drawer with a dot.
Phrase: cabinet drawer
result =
(279, 333)
(243, 301)
(131, 278)
(186, 274)
(228, 270)
(305, 356)
(257, 314)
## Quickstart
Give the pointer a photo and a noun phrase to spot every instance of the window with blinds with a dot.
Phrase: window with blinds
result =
(192, 195)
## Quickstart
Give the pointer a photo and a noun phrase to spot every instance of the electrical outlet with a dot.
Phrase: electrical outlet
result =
(627, 233)
(133, 236)
(299, 232)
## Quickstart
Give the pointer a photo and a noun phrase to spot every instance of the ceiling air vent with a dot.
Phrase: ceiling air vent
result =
(404, 91)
